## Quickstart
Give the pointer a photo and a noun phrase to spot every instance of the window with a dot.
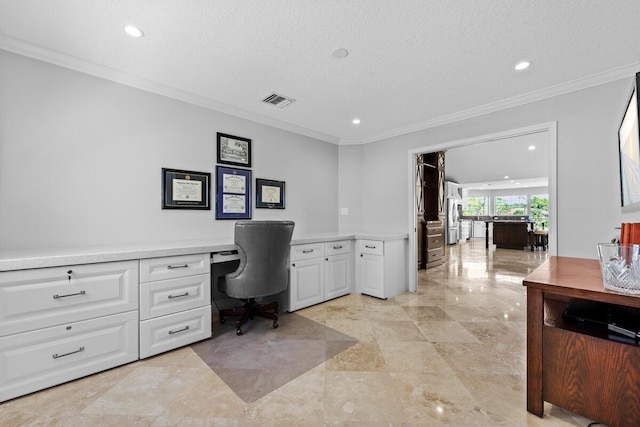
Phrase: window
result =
(510, 205)
(540, 210)
(476, 206)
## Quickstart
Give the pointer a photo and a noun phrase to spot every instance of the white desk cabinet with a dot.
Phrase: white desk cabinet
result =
(338, 269)
(175, 302)
(62, 323)
(319, 272)
(381, 268)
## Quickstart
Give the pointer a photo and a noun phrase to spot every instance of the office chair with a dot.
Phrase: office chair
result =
(263, 247)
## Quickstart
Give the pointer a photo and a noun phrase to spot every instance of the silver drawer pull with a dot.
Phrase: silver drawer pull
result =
(186, 328)
(171, 267)
(307, 251)
(178, 296)
(369, 247)
(226, 253)
(58, 356)
(337, 247)
(56, 296)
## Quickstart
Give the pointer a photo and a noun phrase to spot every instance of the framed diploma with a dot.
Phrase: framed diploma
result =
(185, 189)
(233, 193)
(269, 194)
(233, 150)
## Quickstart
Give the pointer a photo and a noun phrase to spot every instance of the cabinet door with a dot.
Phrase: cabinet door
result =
(337, 276)
(372, 275)
(307, 283)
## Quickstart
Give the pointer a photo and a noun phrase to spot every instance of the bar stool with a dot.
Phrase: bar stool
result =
(540, 240)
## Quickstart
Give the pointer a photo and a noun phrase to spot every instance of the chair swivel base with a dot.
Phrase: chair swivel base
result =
(250, 310)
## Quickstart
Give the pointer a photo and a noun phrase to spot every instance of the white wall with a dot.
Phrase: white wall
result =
(350, 192)
(81, 159)
(587, 177)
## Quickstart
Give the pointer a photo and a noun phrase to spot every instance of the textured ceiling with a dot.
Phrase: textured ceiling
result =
(412, 63)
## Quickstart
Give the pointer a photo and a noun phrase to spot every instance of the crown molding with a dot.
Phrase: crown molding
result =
(25, 49)
(538, 95)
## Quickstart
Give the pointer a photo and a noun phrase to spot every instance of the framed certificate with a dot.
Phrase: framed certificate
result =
(269, 194)
(234, 150)
(233, 193)
(185, 189)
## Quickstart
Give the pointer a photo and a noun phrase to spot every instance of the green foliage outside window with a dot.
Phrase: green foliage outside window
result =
(476, 206)
(540, 210)
(510, 205)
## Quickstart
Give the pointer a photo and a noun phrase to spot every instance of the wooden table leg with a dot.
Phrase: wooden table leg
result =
(535, 321)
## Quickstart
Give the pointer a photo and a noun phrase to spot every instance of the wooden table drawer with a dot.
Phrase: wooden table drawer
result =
(33, 299)
(152, 269)
(172, 296)
(174, 330)
(35, 360)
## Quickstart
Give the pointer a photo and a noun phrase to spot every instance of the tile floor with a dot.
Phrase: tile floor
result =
(452, 354)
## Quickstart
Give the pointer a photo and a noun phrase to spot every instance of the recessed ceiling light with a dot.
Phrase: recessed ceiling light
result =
(340, 53)
(522, 65)
(355, 121)
(532, 147)
(134, 31)
(506, 177)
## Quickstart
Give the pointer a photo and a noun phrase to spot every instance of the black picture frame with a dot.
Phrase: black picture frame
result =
(182, 189)
(270, 194)
(233, 150)
(233, 193)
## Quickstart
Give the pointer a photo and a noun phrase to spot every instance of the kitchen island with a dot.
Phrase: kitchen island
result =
(509, 234)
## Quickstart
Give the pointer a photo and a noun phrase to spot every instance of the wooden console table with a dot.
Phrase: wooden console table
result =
(573, 367)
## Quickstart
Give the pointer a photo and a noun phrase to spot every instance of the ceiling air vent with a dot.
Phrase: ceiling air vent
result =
(278, 100)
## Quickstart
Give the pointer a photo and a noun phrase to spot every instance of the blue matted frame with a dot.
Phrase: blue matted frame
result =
(233, 193)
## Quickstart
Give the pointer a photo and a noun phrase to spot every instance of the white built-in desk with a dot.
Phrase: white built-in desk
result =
(70, 312)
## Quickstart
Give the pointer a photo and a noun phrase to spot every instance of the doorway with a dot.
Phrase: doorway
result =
(547, 129)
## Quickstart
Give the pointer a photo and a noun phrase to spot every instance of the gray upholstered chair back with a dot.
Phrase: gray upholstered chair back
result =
(263, 247)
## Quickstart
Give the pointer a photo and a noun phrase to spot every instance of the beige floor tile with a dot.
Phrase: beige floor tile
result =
(368, 397)
(396, 330)
(418, 357)
(364, 356)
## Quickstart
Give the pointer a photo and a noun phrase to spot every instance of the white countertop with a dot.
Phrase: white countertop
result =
(22, 259)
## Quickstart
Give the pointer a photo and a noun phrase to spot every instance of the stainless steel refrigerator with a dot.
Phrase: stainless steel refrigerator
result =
(453, 221)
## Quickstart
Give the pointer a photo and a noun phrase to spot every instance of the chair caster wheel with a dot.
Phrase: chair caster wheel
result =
(238, 331)
(275, 324)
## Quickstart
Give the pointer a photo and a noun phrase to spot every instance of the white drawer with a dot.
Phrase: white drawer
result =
(339, 247)
(174, 330)
(171, 296)
(152, 269)
(35, 360)
(308, 251)
(374, 247)
(39, 298)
